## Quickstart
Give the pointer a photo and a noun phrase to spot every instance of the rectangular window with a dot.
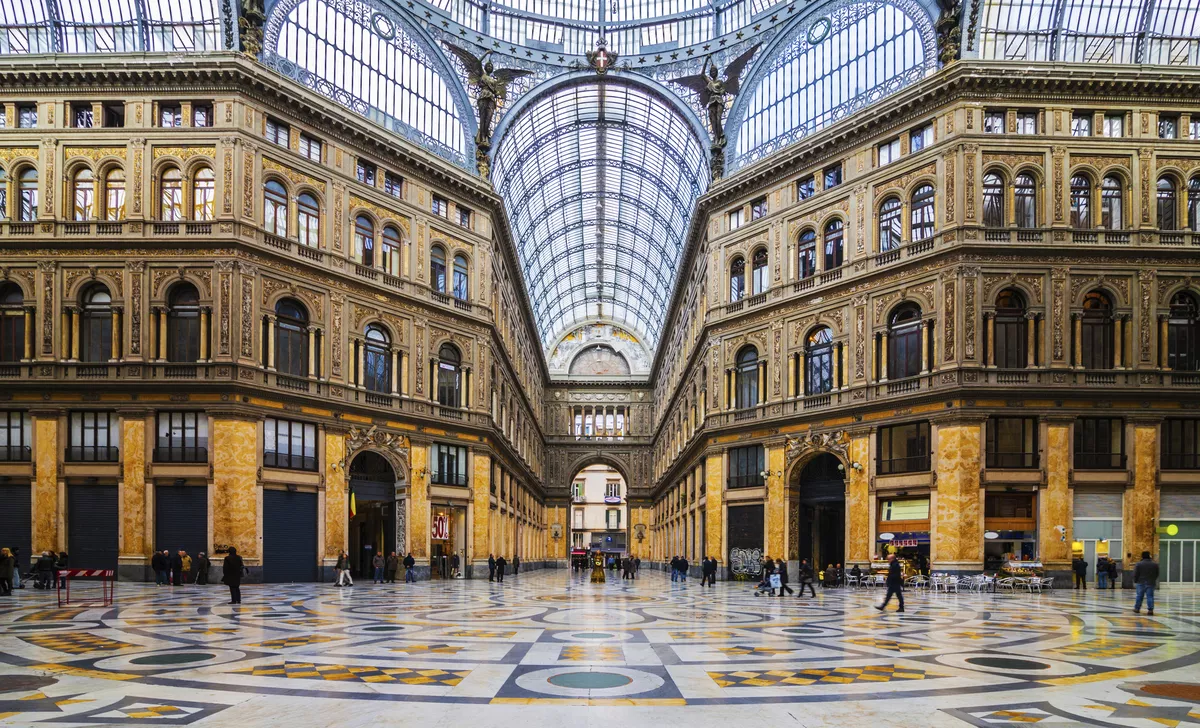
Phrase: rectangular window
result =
(1194, 126)
(290, 445)
(1008, 505)
(612, 489)
(746, 465)
(81, 116)
(1168, 127)
(806, 187)
(170, 115)
(277, 132)
(393, 184)
(449, 464)
(1099, 443)
(920, 138)
(114, 115)
(904, 448)
(310, 148)
(1027, 122)
(365, 171)
(202, 115)
(182, 438)
(1181, 444)
(1012, 442)
(612, 519)
(93, 437)
(1081, 125)
(578, 490)
(735, 219)
(758, 208)
(579, 524)
(1114, 125)
(993, 122)
(464, 216)
(833, 176)
(26, 116)
(889, 152)
(14, 437)
(911, 509)
(440, 206)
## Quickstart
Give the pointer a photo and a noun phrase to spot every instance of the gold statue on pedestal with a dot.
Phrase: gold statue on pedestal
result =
(597, 568)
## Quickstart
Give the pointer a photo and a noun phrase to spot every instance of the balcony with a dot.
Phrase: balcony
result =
(378, 400)
(292, 384)
(287, 461)
(197, 454)
(15, 454)
(452, 413)
(165, 228)
(277, 242)
(896, 466)
(1177, 461)
(1012, 460)
(887, 257)
(744, 415)
(1099, 461)
(366, 272)
(455, 479)
(756, 299)
(179, 371)
(919, 247)
(751, 480)
(92, 454)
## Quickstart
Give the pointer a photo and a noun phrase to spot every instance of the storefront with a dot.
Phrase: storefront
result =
(448, 536)
(1179, 534)
(1010, 527)
(1096, 527)
(745, 541)
(903, 529)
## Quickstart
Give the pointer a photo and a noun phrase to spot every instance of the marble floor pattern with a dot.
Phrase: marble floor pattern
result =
(550, 648)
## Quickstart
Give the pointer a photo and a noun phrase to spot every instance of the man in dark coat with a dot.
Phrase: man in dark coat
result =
(516, 564)
(1079, 566)
(683, 568)
(234, 569)
(393, 563)
(158, 562)
(781, 569)
(176, 568)
(1112, 574)
(491, 567)
(895, 584)
(201, 565)
(1145, 577)
(806, 579)
(500, 564)
(409, 564)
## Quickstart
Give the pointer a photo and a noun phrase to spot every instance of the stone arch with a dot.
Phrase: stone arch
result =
(599, 457)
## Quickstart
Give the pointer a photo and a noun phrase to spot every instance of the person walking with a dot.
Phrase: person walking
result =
(806, 579)
(1145, 576)
(393, 563)
(202, 566)
(895, 584)
(1079, 566)
(516, 564)
(45, 570)
(158, 562)
(500, 564)
(7, 564)
(683, 569)
(781, 569)
(704, 574)
(187, 567)
(410, 575)
(177, 568)
(491, 567)
(60, 564)
(234, 569)
(454, 565)
(343, 570)
(637, 566)
(377, 565)
(1112, 573)
(768, 569)
(16, 554)
(674, 568)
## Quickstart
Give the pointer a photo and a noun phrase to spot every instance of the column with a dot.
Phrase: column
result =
(1118, 342)
(837, 366)
(118, 315)
(728, 389)
(204, 314)
(361, 368)
(271, 342)
(1054, 501)
(1077, 319)
(28, 356)
(776, 504)
(859, 530)
(1163, 338)
(395, 362)
(883, 357)
(418, 503)
(1031, 339)
(403, 372)
(312, 351)
(762, 381)
(990, 321)
(466, 398)
(1140, 514)
(162, 335)
(47, 518)
(235, 489)
(925, 327)
(1127, 343)
(65, 352)
(958, 522)
(791, 375)
(134, 547)
(74, 334)
(337, 497)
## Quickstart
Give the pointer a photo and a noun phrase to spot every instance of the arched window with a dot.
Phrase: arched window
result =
(171, 195)
(377, 369)
(183, 324)
(308, 220)
(904, 342)
(922, 213)
(204, 194)
(364, 240)
(807, 254)
(737, 279)
(889, 224)
(291, 338)
(1081, 202)
(1010, 332)
(1183, 333)
(391, 250)
(462, 278)
(993, 200)
(746, 390)
(818, 361)
(1112, 198)
(3, 194)
(1168, 209)
(1025, 201)
(114, 194)
(834, 248)
(1194, 204)
(437, 268)
(27, 195)
(1096, 330)
(760, 274)
(12, 323)
(83, 193)
(275, 208)
(449, 376)
(95, 330)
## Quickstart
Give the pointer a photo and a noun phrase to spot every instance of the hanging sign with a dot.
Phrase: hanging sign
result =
(440, 528)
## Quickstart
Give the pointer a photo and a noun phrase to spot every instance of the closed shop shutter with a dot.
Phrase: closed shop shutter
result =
(181, 518)
(1179, 502)
(16, 521)
(289, 536)
(92, 526)
(1093, 503)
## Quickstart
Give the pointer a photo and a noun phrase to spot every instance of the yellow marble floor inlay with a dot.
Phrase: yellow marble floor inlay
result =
(432, 649)
(356, 673)
(836, 675)
(743, 650)
(890, 645)
(1104, 647)
(592, 653)
(299, 640)
(75, 643)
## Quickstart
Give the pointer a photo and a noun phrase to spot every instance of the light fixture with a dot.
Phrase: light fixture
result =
(886, 536)
(991, 535)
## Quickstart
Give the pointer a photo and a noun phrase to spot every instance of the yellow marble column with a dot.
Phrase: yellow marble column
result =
(337, 512)
(235, 487)
(858, 499)
(418, 502)
(1054, 502)
(777, 515)
(958, 531)
(134, 548)
(47, 521)
(714, 509)
(481, 497)
(1141, 501)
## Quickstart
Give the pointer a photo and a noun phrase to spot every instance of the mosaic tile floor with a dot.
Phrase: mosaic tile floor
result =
(547, 646)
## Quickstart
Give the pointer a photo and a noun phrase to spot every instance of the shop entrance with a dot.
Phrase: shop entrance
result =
(372, 527)
(820, 530)
(448, 537)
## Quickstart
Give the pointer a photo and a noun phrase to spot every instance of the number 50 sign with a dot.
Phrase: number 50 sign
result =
(441, 526)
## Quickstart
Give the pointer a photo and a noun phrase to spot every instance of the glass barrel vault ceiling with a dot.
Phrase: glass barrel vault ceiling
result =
(112, 26)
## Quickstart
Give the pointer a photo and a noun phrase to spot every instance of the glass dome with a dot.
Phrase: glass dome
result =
(113, 26)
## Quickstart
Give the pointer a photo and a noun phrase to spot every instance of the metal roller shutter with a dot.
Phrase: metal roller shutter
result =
(16, 520)
(1098, 503)
(181, 518)
(289, 536)
(92, 526)
(1180, 503)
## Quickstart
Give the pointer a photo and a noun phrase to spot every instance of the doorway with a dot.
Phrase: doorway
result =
(372, 527)
(448, 538)
(820, 534)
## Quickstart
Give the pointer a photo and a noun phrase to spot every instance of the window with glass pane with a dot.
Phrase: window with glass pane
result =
(1168, 209)
(807, 253)
(1097, 331)
(365, 171)
(1012, 442)
(462, 278)
(93, 437)
(27, 193)
(390, 250)
(171, 195)
(440, 206)
(202, 115)
(449, 464)
(746, 465)
(289, 445)
(1181, 444)
(114, 194)
(182, 437)
(15, 445)
(911, 509)
(1081, 125)
(834, 245)
(27, 116)
(1193, 204)
(204, 194)
(889, 152)
(449, 376)
(1099, 443)
(922, 213)
(833, 176)
(1010, 330)
(393, 185)
(95, 330)
(437, 268)
(364, 240)
(735, 219)
(3, 193)
(904, 342)
(183, 323)
(1168, 127)
(993, 200)
(1112, 203)
(806, 188)
(1183, 333)
(746, 384)
(170, 115)
(277, 132)
(291, 338)
(308, 220)
(993, 122)
(758, 208)
(904, 448)
(760, 274)
(818, 362)
(12, 322)
(1114, 125)
(1025, 201)
(464, 216)
(1081, 202)
(920, 138)
(275, 208)
(737, 279)
(377, 360)
(1194, 127)
(1027, 122)
(84, 197)
(889, 224)
(81, 116)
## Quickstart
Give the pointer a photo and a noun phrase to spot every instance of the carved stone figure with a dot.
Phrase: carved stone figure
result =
(492, 85)
(250, 26)
(833, 442)
(949, 34)
(713, 90)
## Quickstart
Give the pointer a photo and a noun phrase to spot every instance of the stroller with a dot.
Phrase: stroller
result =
(39, 579)
(769, 583)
